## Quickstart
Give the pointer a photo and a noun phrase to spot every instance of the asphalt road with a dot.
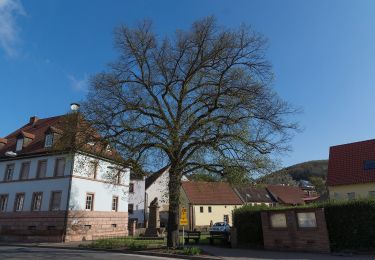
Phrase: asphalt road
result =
(35, 253)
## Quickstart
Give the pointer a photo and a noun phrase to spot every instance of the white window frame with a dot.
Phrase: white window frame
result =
(48, 140)
(19, 144)
(19, 202)
(36, 202)
(89, 202)
(3, 202)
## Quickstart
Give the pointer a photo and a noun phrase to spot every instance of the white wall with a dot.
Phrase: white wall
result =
(35, 185)
(137, 198)
(159, 189)
(101, 187)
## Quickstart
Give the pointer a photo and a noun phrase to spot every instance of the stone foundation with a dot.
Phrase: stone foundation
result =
(92, 225)
(49, 226)
(32, 226)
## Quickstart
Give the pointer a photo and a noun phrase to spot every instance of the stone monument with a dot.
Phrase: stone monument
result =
(153, 229)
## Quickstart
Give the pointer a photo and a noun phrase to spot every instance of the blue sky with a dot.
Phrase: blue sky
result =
(322, 54)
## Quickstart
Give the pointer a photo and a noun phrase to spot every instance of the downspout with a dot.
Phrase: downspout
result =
(68, 199)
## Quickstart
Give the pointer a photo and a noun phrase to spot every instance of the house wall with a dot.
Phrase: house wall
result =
(159, 189)
(102, 187)
(27, 225)
(45, 185)
(73, 223)
(217, 214)
(137, 198)
(340, 192)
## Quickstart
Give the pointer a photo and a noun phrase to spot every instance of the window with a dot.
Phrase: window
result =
(130, 208)
(42, 168)
(201, 209)
(48, 141)
(369, 165)
(3, 202)
(131, 187)
(351, 195)
(278, 220)
(18, 203)
(371, 194)
(226, 218)
(93, 168)
(59, 167)
(118, 177)
(8, 176)
(19, 144)
(25, 168)
(55, 200)
(114, 203)
(89, 201)
(209, 209)
(306, 219)
(36, 202)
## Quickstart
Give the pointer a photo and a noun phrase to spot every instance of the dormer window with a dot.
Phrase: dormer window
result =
(19, 144)
(51, 135)
(23, 139)
(48, 141)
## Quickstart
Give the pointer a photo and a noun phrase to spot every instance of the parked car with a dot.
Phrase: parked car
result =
(220, 227)
(220, 231)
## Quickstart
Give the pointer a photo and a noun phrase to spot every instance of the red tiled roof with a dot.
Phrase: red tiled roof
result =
(210, 193)
(253, 194)
(346, 163)
(36, 130)
(287, 194)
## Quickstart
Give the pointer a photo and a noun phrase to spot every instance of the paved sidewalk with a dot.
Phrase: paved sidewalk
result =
(247, 254)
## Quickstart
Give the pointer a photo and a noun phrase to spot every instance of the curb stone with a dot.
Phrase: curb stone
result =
(124, 251)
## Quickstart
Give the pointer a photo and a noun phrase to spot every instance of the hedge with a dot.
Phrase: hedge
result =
(248, 223)
(351, 225)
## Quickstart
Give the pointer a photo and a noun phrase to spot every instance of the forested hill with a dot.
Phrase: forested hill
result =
(297, 172)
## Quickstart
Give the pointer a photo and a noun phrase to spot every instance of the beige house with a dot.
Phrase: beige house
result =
(351, 171)
(208, 202)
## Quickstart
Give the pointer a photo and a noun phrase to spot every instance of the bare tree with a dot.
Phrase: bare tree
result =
(201, 99)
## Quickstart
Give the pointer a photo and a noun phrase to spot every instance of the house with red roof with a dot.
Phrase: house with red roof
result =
(208, 202)
(59, 193)
(287, 195)
(351, 170)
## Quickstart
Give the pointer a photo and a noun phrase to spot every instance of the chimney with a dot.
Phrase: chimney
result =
(33, 120)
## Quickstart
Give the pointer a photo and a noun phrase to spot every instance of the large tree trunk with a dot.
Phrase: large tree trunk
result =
(174, 204)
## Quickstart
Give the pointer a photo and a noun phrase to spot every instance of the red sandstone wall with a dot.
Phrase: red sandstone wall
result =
(48, 226)
(294, 237)
(32, 226)
(91, 225)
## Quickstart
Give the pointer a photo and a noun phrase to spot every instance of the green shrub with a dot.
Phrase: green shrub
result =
(248, 223)
(191, 251)
(351, 225)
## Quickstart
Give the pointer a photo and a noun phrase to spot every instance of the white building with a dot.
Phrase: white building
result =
(49, 194)
(157, 187)
(137, 201)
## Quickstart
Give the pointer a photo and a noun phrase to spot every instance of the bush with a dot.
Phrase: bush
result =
(192, 251)
(351, 225)
(248, 223)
